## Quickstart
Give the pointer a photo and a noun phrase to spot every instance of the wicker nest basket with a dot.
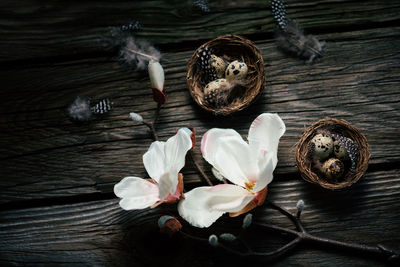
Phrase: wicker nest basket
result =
(341, 127)
(229, 47)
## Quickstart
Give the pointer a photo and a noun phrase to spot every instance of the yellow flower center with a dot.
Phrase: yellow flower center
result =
(249, 186)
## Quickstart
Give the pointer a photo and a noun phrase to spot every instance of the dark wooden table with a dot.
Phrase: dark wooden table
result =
(57, 176)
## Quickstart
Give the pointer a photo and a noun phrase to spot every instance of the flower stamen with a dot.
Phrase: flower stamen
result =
(249, 186)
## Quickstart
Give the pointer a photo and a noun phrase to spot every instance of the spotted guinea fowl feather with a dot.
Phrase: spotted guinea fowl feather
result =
(290, 36)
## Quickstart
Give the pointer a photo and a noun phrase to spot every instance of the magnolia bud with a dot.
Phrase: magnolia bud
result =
(169, 225)
(156, 73)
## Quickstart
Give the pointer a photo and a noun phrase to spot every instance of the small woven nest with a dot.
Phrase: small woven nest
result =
(229, 47)
(341, 127)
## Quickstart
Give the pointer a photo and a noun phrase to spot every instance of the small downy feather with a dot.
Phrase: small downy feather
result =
(291, 38)
(80, 110)
(137, 53)
(102, 107)
(202, 5)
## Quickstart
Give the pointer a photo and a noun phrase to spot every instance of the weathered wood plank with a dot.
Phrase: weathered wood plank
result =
(45, 155)
(59, 29)
(100, 233)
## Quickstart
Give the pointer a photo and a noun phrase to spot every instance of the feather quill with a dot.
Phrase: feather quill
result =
(137, 53)
(291, 38)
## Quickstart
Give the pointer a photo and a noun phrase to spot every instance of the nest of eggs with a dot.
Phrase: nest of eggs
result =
(224, 95)
(332, 153)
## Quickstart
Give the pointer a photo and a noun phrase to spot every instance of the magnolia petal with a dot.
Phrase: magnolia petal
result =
(202, 206)
(175, 151)
(210, 138)
(264, 135)
(156, 73)
(217, 174)
(258, 200)
(178, 193)
(136, 193)
(265, 175)
(154, 160)
(230, 155)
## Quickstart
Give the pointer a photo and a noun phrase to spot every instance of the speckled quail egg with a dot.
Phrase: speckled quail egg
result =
(236, 70)
(218, 64)
(340, 151)
(322, 145)
(215, 85)
(333, 168)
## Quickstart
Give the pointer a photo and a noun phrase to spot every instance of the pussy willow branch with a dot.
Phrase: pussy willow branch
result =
(152, 124)
(302, 236)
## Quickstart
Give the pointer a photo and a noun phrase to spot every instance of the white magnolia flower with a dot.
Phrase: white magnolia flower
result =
(249, 166)
(162, 161)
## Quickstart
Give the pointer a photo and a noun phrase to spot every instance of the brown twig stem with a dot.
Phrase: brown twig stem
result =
(201, 171)
(152, 129)
(302, 236)
(152, 125)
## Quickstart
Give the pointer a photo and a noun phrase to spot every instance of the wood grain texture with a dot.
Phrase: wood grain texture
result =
(100, 233)
(74, 28)
(57, 207)
(44, 154)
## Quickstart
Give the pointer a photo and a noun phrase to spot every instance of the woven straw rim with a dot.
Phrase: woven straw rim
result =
(232, 47)
(341, 127)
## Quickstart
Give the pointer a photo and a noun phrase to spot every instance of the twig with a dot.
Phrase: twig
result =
(301, 235)
(201, 171)
(152, 125)
(152, 129)
(157, 114)
(295, 219)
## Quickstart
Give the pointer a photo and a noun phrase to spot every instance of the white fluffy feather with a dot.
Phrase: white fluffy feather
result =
(137, 53)
(80, 109)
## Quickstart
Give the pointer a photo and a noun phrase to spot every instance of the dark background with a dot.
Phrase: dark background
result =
(57, 176)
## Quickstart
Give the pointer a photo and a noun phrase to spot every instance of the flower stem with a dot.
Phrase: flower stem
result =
(152, 129)
(201, 171)
(152, 125)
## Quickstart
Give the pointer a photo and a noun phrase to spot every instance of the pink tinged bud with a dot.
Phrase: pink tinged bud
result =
(169, 225)
(157, 80)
